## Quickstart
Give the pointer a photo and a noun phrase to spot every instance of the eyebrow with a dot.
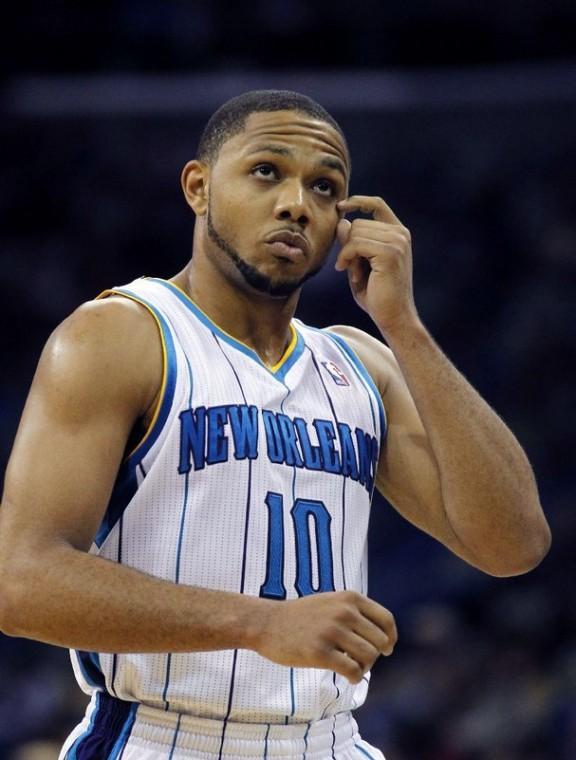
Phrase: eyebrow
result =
(334, 163)
(271, 149)
(329, 163)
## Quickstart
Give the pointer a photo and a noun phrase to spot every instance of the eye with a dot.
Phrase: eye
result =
(265, 171)
(324, 187)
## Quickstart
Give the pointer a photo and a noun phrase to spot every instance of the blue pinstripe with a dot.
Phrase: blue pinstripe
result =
(243, 573)
(336, 420)
(292, 693)
(176, 732)
(180, 536)
(115, 656)
(317, 368)
(266, 742)
(306, 741)
(294, 471)
(186, 485)
(333, 738)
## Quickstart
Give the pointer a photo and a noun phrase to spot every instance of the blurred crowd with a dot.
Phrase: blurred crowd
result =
(485, 668)
(223, 34)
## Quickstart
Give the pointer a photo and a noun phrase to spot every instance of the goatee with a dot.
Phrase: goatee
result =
(258, 281)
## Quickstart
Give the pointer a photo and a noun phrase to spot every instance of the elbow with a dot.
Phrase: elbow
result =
(534, 548)
(524, 556)
(8, 603)
(543, 544)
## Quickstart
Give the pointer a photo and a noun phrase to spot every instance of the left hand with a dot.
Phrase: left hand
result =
(377, 253)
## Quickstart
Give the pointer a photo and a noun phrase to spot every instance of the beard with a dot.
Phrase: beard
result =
(255, 279)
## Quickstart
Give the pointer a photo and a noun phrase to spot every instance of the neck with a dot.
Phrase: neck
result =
(258, 320)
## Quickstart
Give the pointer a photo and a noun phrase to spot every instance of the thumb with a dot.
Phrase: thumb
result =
(343, 231)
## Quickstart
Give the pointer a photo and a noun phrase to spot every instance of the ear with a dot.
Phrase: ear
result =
(194, 182)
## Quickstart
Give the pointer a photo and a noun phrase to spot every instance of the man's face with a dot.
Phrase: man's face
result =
(272, 195)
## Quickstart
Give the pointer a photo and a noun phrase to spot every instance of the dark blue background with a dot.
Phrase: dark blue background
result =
(463, 117)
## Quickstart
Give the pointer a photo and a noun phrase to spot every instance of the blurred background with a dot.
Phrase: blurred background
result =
(462, 115)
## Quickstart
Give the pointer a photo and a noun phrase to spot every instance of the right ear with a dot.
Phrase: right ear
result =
(194, 182)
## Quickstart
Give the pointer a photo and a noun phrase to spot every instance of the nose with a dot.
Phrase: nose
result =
(292, 204)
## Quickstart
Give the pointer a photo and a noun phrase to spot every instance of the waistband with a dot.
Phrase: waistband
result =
(227, 739)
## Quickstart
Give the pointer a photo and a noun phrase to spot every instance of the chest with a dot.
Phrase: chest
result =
(316, 416)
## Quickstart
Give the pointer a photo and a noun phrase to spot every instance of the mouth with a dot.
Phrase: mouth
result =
(288, 245)
(286, 252)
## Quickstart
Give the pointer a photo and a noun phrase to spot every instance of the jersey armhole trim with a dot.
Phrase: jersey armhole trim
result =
(365, 376)
(168, 384)
(278, 370)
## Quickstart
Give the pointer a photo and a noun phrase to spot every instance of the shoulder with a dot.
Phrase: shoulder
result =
(106, 348)
(373, 353)
(106, 320)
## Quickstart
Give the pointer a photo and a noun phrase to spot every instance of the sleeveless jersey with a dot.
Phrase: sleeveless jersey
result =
(250, 479)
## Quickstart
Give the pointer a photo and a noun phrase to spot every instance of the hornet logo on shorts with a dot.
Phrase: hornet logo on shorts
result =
(336, 373)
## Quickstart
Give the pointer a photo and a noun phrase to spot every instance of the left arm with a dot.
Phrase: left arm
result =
(450, 465)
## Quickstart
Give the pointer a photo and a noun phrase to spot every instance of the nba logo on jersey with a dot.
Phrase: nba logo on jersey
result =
(336, 373)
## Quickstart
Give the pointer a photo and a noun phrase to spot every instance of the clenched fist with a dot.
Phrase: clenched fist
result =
(341, 631)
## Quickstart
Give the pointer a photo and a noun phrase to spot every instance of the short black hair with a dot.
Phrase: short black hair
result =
(230, 118)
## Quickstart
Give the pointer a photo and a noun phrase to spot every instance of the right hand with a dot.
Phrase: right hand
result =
(341, 631)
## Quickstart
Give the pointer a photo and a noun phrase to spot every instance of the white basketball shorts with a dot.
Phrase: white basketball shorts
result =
(117, 730)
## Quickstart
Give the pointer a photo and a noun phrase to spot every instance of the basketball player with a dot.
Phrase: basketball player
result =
(187, 502)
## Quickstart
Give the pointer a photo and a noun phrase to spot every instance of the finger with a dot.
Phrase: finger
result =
(369, 204)
(378, 638)
(356, 268)
(379, 230)
(359, 649)
(345, 666)
(359, 248)
(381, 617)
(343, 231)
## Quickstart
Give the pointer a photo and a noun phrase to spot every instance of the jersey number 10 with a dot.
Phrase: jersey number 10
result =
(306, 514)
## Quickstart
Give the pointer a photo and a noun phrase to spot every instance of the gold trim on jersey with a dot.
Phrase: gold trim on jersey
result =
(272, 367)
(158, 404)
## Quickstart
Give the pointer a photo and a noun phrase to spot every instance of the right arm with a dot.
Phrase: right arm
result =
(99, 373)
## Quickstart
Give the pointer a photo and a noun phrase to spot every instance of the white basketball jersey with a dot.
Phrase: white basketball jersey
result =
(251, 479)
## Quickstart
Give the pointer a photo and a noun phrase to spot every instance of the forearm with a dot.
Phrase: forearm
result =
(73, 599)
(82, 601)
(489, 494)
